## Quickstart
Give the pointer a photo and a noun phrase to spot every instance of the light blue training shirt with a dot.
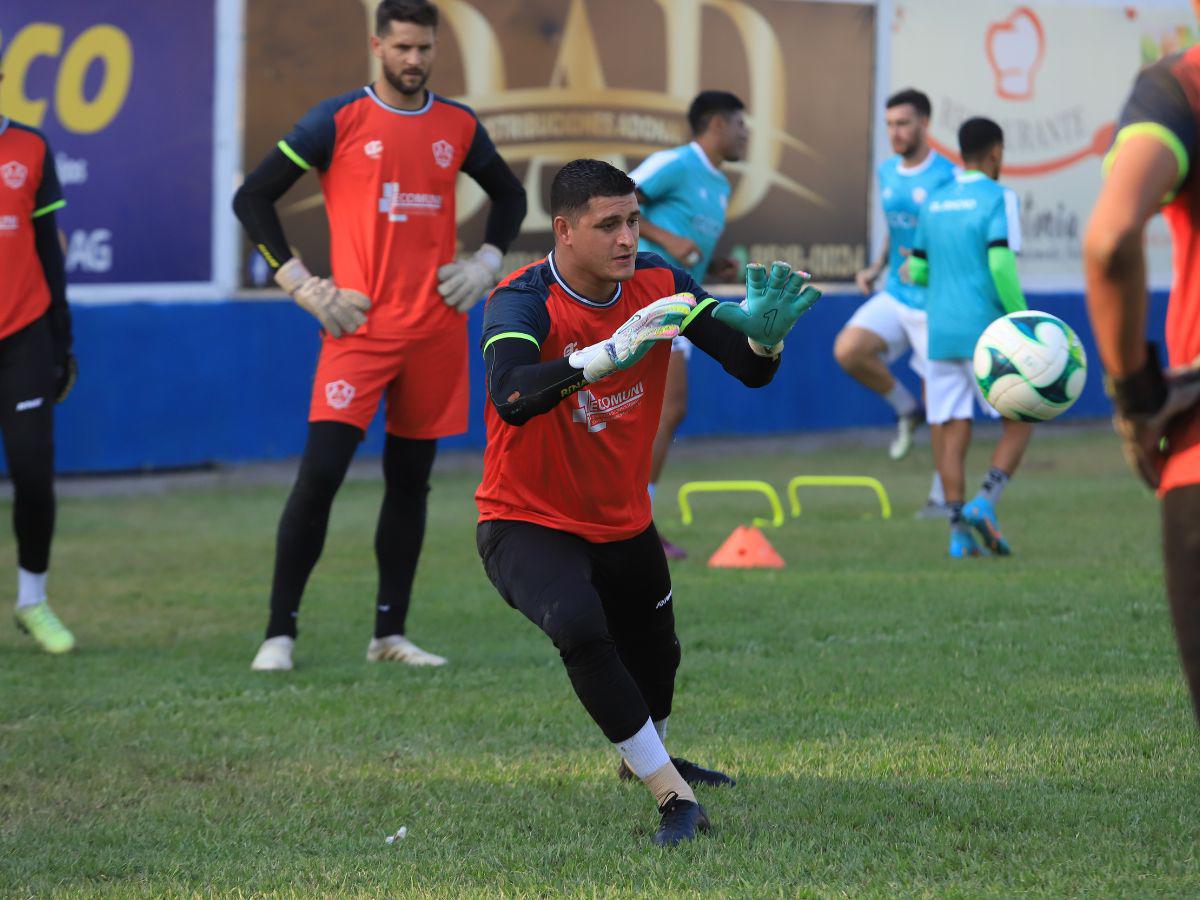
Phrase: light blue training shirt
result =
(903, 191)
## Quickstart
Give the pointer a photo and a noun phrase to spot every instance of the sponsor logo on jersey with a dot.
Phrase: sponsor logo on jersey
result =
(14, 174)
(398, 205)
(338, 394)
(29, 404)
(373, 149)
(938, 206)
(9, 223)
(595, 412)
(443, 153)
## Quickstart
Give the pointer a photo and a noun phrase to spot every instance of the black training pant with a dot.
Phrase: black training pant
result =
(607, 608)
(1181, 551)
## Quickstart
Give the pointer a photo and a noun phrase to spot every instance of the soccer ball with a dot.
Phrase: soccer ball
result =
(1030, 366)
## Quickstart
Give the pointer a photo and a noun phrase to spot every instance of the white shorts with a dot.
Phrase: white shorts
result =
(682, 345)
(951, 392)
(901, 327)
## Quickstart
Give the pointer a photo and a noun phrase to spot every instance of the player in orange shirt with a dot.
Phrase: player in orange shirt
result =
(576, 349)
(37, 368)
(1149, 168)
(394, 311)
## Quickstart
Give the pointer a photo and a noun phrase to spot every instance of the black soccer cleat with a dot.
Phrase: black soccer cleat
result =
(689, 771)
(681, 819)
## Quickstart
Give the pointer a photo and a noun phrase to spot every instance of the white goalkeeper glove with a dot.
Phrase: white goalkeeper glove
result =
(338, 310)
(463, 283)
(660, 321)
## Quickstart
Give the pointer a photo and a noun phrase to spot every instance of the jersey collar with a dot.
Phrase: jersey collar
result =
(920, 167)
(4, 120)
(370, 91)
(575, 295)
(968, 176)
(704, 158)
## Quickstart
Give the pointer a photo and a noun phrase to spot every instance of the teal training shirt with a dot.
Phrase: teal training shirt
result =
(903, 192)
(957, 226)
(687, 195)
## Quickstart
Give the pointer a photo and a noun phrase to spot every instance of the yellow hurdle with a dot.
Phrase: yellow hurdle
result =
(720, 487)
(885, 506)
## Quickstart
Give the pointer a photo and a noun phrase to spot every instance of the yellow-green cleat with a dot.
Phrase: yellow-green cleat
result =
(40, 623)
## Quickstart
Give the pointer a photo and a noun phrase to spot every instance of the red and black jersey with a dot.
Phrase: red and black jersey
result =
(29, 189)
(1165, 104)
(584, 466)
(388, 176)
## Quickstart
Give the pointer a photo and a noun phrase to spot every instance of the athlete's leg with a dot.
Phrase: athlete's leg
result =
(861, 353)
(954, 438)
(1181, 552)
(1014, 438)
(301, 537)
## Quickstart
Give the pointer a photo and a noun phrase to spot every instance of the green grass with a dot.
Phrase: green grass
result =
(899, 723)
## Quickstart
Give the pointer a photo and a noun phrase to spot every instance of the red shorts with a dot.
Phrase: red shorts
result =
(425, 380)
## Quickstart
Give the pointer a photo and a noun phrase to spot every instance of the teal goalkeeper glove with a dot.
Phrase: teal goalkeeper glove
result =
(660, 321)
(772, 305)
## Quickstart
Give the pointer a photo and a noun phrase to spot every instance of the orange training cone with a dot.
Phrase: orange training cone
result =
(746, 548)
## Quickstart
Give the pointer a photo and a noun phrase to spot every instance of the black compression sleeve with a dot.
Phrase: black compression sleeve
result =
(49, 251)
(521, 386)
(508, 202)
(731, 350)
(254, 205)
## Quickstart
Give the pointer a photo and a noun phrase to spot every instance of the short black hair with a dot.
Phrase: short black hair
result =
(418, 12)
(914, 98)
(977, 136)
(708, 104)
(582, 179)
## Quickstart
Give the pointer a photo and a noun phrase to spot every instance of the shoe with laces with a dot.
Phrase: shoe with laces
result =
(980, 514)
(906, 425)
(963, 546)
(275, 654)
(688, 771)
(40, 623)
(398, 648)
(681, 819)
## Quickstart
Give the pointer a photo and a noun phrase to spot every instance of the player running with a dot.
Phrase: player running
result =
(683, 195)
(1150, 168)
(892, 322)
(576, 349)
(961, 252)
(37, 368)
(393, 313)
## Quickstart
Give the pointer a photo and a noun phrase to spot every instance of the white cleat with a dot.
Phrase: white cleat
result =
(275, 655)
(905, 426)
(398, 648)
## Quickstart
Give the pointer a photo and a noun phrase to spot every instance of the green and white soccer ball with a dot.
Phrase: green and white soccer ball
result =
(1030, 366)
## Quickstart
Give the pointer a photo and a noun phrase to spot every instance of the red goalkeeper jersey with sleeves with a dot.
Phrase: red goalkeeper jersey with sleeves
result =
(388, 176)
(28, 188)
(1165, 103)
(582, 467)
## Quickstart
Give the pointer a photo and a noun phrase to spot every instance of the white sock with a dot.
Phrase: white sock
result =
(937, 493)
(901, 399)
(660, 725)
(644, 753)
(31, 588)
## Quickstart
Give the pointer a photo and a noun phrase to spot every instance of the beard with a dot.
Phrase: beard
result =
(396, 80)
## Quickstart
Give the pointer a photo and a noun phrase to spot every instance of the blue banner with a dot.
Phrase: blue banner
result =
(124, 93)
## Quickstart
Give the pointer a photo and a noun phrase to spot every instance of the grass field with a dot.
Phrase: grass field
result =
(899, 724)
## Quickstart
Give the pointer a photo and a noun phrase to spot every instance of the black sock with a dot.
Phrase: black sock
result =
(401, 531)
(301, 536)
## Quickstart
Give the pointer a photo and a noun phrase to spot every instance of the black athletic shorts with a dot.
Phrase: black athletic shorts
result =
(27, 379)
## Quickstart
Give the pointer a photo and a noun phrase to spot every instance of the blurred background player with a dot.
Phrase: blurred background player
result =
(961, 252)
(393, 313)
(892, 322)
(576, 358)
(1150, 167)
(684, 195)
(37, 368)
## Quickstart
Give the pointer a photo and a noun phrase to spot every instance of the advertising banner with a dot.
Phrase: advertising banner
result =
(124, 93)
(1054, 75)
(553, 80)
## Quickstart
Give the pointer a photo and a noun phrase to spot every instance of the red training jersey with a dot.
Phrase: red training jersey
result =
(582, 467)
(29, 188)
(388, 176)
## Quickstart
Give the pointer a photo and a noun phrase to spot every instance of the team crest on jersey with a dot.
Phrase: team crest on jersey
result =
(443, 153)
(373, 149)
(338, 394)
(594, 413)
(919, 195)
(14, 174)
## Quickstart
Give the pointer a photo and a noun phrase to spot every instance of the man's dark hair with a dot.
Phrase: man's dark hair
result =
(418, 12)
(708, 104)
(977, 136)
(582, 179)
(914, 98)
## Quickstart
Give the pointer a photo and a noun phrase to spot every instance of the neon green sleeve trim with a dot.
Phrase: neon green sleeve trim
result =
(1160, 133)
(918, 270)
(700, 307)
(511, 334)
(48, 208)
(1002, 263)
(293, 155)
